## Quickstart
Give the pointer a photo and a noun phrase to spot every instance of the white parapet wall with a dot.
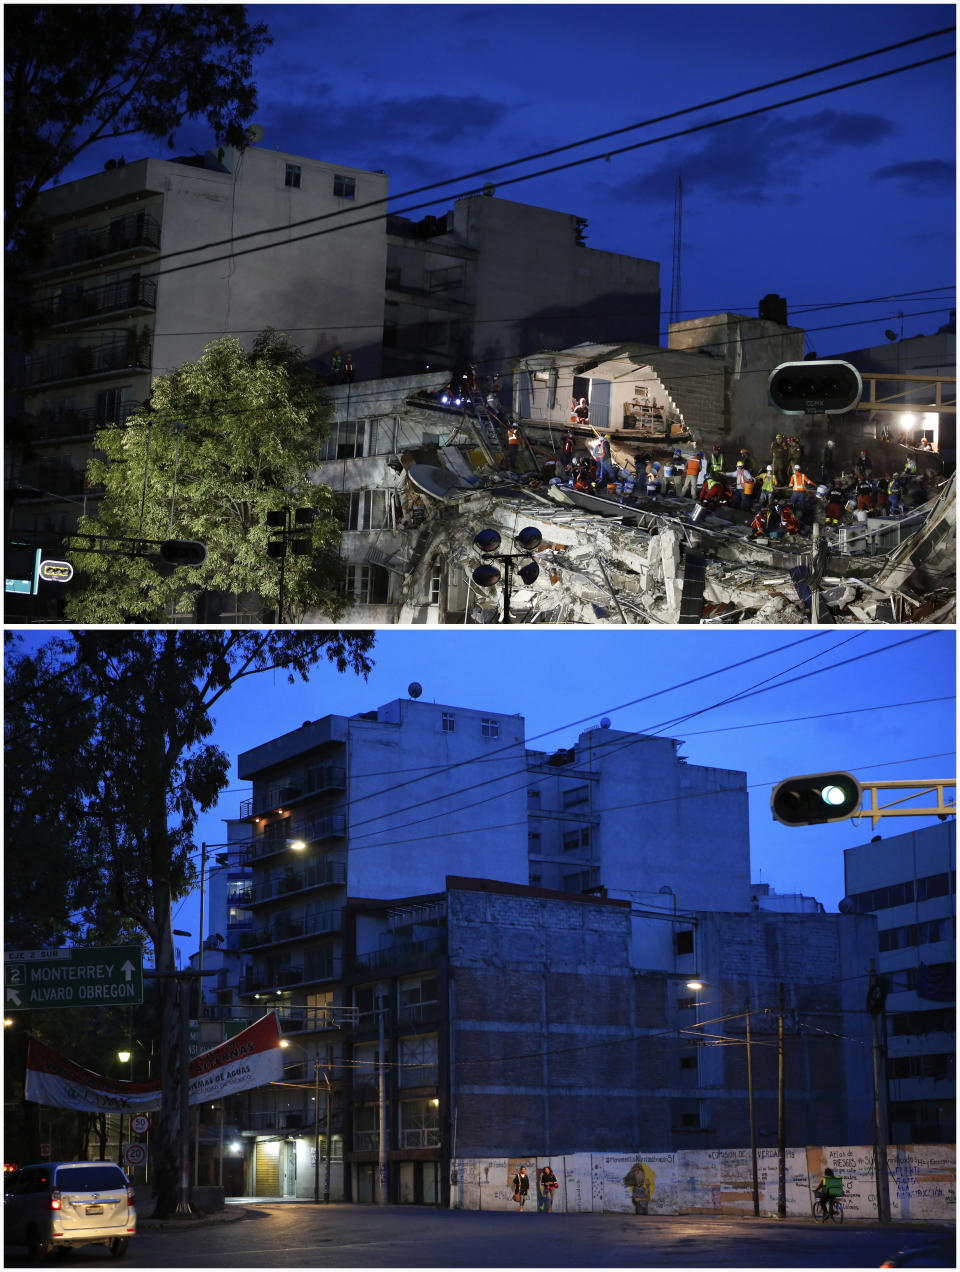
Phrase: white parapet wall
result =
(922, 1181)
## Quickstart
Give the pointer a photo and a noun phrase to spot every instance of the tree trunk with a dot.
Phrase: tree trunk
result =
(164, 1138)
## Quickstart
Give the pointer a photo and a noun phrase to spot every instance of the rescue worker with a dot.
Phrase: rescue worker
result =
(513, 447)
(348, 371)
(581, 412)
(743, 494)
(799, 482)
(794, 450)
(767, 486)
(748, 460)
(788, 520)
(653, 479)
(601, 454)
(716, 460)
(882, 488)
(336, 363)
(863, 466)
(836, 497)
(566, 451)
(894, 491)
(712, 490)
(779, 459)
(766, 522)
(827, 461)
(864, 495)
(690, 477)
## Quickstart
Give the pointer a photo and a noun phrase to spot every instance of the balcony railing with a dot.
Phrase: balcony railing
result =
(139, 294)
(81, 363)
(319, 965)
(135, 235)
(425, 1137)
(326, 874)
(314, 781)
(290, 929)
(51, 424)
(332, 826)
(402, 953)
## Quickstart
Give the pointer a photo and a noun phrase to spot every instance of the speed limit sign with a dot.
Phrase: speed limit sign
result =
(140, 1124)
(135, 1154)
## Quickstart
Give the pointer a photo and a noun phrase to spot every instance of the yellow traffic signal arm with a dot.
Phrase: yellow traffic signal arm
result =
(875, 811)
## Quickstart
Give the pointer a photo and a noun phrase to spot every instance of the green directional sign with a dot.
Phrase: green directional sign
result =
(110, 976)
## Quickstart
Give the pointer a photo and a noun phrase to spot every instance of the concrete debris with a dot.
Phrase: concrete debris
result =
(611, 564)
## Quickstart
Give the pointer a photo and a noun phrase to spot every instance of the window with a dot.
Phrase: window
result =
(684, 942)
(942, 1020)
(448, 722)
(576, 840)
(575, 795)
(417, 999)
(365, 584)
(447, 279)
(688, 1062)
(489, 728)
(350, 439)
(436, 580)
(368, 510)
(581, 881)
(933, 886)
(686, 1004)
(418, 1060)
(419, 1123)
(291, 176)
(533, 841)
(344, 187)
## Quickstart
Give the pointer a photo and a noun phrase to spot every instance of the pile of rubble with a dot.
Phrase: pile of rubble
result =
(628, 569)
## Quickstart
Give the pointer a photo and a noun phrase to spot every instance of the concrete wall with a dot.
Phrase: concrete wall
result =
(414, 820)
(922, 1181)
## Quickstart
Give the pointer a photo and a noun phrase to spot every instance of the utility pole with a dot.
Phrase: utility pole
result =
(326, 1078)
(316, 1127)
(876, 1000)
(781, 1120)
(753, 1120)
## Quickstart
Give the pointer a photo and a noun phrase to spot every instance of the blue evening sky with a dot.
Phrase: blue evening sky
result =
(842, 198)
(564, 682)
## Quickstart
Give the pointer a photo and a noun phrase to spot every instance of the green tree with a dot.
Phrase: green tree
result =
(139, 770)
(226, 440)
(76, 74)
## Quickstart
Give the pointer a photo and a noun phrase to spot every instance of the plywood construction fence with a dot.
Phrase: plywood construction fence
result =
(922, 1181)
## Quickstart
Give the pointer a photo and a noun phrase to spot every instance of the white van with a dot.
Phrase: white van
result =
(57, 1204)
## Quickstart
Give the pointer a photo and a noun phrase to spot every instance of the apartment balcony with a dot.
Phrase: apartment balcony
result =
(319, 965)
(52, 425)
(129, 238)
(325, 874)
(133, 296)
(318, 780)
(277, 837)
(292, 929)
(86, 363)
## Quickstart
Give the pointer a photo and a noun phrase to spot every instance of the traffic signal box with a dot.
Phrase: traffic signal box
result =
(827, 387)
(183, 552)
(815, 798)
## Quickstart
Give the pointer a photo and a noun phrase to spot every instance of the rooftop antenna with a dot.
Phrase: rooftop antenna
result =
(677, 250)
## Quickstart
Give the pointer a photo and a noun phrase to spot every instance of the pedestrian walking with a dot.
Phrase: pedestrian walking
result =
(521, 1187)
(548, 1186)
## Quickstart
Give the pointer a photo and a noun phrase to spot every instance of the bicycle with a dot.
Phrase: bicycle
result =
(825, 1208)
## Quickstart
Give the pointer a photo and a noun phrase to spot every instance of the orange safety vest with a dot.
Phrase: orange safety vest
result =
(512, 436)
(693, 466)
(798, 481)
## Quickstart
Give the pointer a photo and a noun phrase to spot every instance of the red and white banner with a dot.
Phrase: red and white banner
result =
(251, 1059)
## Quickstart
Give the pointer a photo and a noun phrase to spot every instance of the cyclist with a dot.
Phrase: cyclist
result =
(829, 1190)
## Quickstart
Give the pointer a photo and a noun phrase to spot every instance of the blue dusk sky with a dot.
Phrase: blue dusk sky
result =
(877, 703)
(843, 203)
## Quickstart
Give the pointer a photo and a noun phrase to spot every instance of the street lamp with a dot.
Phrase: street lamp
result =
(487, 574)
(285, 1042)
(696, 986)
(125, 1057)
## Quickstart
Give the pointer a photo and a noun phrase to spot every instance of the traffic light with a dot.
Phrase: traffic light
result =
(827, 387)
(183, 552)
(815, 798)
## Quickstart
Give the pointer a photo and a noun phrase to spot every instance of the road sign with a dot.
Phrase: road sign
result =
(135, 1154)
(73, 976)
(139, 1124)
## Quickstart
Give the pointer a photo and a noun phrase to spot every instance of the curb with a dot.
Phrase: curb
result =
(232, 1215)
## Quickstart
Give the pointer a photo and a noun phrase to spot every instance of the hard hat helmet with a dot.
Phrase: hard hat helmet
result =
(716, 448)
(656, 464)
(796, 468)
(831, 442)
(769, 468)
(821, 492)
(739, 463)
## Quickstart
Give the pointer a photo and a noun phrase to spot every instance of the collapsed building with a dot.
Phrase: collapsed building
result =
(419, 463)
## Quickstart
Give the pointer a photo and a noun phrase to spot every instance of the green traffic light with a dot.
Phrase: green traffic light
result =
(815, 798)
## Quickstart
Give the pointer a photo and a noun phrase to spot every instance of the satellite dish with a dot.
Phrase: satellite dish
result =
(254, 134)
(605, 722)
(891, 335)
(414, 690)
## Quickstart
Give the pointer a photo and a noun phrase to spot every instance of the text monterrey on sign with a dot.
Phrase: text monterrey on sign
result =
(73, 977)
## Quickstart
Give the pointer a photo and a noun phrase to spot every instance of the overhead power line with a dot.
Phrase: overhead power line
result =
(573, 163)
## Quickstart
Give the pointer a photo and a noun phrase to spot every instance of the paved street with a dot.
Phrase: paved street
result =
(290, 1236)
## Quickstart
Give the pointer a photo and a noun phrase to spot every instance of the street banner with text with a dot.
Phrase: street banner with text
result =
(251, 1059)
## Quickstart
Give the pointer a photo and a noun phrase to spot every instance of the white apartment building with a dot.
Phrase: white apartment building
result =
(151, 261)
(909, 883)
